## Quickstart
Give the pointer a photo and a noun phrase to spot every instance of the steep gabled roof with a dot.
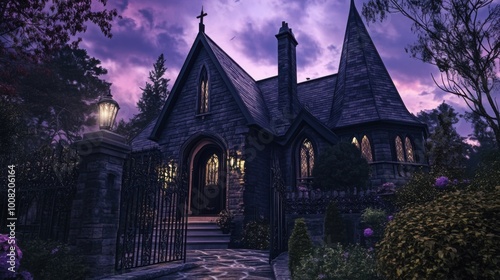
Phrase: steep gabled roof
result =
(364, 91)
(243, 88)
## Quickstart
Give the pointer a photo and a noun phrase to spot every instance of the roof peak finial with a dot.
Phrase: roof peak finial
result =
(201, 16)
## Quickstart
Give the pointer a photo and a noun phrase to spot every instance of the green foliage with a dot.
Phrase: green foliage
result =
(224, 220)
(299, 245)
(452, 237)
(52, 260)
(342, 168)
(154, 95)
(376, 219)
(338, 263)
(418, 190)
(335, 228)
(488, 174)
(445, 148)
(461, 39)
(256, 235)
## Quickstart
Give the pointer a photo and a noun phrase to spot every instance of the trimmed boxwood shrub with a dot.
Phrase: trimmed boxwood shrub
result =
(456, 236)
(335, 229)
(299, 245)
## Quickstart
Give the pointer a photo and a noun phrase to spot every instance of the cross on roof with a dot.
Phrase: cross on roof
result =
(202, 15)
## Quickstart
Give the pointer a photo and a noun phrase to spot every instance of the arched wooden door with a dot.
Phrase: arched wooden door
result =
(207, 186)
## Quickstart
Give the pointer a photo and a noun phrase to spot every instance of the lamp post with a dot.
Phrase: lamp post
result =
(108, 108)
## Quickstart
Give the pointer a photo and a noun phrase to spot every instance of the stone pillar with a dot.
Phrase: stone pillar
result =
(96, 209)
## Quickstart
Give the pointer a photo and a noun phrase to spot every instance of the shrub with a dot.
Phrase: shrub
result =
(256, 235)
(342, 168)
(52, 260)
(488, 174)
(453, 237)
(338, 262)
(418, 190)
(335, 228)
(299, 245)
(375, 219)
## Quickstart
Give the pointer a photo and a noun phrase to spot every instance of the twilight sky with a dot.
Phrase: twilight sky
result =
(246, 30)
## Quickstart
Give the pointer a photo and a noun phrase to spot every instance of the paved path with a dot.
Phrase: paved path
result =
(225, 264)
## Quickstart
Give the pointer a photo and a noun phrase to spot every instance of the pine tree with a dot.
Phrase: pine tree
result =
(154, 95)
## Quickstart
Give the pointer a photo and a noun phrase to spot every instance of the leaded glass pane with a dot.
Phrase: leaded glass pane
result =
(366, 149)
(212, 171)
(399, 149)
(409, 150)
(306, 159)
(203, 92)
(355, 142)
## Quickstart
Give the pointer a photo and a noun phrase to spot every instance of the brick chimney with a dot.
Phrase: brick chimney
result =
(287, 73)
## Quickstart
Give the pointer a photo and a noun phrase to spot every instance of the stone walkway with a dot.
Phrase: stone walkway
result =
(225, 264)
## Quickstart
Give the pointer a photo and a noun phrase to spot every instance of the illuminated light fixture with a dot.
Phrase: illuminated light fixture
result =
(108, 108)
(168, 173)
(236, 161)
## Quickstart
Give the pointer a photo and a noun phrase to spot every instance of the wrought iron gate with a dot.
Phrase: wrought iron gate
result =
(278, 217)
(153, 214)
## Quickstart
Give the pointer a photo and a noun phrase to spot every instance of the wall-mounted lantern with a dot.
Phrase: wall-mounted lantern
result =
(168, 173)
(236, 161)
(108, 108)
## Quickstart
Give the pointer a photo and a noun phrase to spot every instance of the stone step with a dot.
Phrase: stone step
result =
(203, 233)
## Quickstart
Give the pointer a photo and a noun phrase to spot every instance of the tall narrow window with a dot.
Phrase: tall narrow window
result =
(306, 159)
(212, 171)
(399, 149)
(366, 149)
(203, 95)
(355, 142)
(409, 150)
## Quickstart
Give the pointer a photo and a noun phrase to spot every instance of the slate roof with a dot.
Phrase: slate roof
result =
(244, 84)
(141, 141)
(364, 91)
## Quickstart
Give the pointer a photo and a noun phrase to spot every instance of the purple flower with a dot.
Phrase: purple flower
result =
(368, 232)
(442, 182)
(390, 217)
(26, 275)
(55, 250)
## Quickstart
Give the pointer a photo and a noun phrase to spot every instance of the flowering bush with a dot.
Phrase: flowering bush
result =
(338, 262)
(368, 232)
(224, 220)
(387, 188)
(442, 182)
(10, 260)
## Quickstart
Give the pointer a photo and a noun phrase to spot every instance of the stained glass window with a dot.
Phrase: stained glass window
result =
(212, 171)
(409, 150)
(306, 159)
(355, 142)
(399, 149)
(203, 100)
(366, 149)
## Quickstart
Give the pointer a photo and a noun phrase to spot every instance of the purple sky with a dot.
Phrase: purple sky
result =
(246, 31)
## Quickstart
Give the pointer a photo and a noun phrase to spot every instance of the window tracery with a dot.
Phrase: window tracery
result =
(306, 159)
(203, 94)
(355, 142)
(409, 150)
(212, 171)
(366, 149)
(399, 149)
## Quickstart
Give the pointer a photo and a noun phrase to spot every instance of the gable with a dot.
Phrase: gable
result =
(238, 83)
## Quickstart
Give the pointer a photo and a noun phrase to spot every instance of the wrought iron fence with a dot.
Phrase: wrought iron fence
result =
(316, 202)
(153, 214)
(44, 186)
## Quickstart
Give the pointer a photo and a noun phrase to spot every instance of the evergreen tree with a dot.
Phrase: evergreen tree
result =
(445, 147)
(154, 95)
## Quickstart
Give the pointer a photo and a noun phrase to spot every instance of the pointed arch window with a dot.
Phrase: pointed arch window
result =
(366, 149)
(203, 92)
(306, 159)
(409, 150)
(212, 171)
(355, 142)
(399, 149)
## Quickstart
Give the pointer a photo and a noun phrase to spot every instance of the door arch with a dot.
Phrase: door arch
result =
(207, 188)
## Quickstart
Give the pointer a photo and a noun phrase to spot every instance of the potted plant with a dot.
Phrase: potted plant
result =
(224, 220)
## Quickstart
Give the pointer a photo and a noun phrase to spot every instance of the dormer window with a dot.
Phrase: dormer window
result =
(203, 94)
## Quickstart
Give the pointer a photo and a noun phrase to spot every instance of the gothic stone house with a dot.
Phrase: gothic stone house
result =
(224, 129)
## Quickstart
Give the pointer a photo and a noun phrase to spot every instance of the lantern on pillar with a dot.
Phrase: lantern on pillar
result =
(108, 108)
